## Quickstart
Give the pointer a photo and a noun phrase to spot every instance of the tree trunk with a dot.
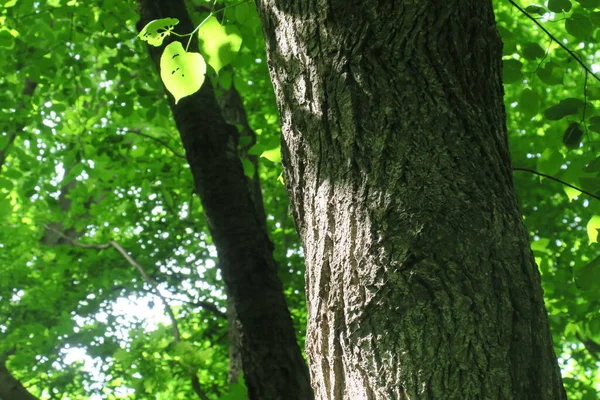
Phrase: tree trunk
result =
(272, 361)
(420, 280)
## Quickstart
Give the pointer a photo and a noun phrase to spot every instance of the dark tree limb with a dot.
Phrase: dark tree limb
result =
(273, 364)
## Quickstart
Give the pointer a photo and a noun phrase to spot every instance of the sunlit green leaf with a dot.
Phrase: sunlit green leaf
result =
(181, 72)
(218, 43)
(273, 155)
(155, 31)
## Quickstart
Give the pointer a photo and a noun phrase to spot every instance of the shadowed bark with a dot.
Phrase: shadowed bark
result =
(272, 361)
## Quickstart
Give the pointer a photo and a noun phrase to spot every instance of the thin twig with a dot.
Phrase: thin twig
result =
(557, 180)
(175, 328)
(130, 260)
(153, 284)
(592, 347)
(139, 132)
(565, 48)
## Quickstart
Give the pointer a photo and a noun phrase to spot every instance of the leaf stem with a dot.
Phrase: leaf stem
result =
(211, 14)
(196, 30)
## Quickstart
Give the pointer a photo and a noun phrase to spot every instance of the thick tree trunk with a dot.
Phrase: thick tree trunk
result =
(272, 361)
(420, 280)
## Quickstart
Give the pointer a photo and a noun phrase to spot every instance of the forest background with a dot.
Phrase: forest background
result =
(89, 156)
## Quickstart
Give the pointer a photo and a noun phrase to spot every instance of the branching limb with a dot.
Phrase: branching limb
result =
(557, 180)
(141, 270)
(555, 40)
(157, 140)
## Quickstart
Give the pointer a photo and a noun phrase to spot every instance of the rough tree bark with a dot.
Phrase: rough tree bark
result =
(272, 361)
(420, 280)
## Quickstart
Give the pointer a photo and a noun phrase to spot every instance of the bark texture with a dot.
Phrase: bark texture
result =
(233, 111)
(420, 280)
(272, 361)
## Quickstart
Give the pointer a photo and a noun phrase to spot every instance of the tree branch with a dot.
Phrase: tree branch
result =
(175, 328)
(130, 260)
(557, 180)
(165, 144)
(592, 347)
(555, 40)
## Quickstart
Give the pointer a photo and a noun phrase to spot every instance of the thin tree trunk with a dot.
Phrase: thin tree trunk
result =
(233, 111)
(420, 280)
(272, 361)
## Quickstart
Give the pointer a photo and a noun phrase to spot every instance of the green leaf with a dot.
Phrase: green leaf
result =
(218, 43)
(73, 173)
(273, 155)
(579, 26)
(558, 6)
(589, 184)
(529, 102)
(594, 128)
(535, 9)
(587, 278)
(242, 12)
(540, 245)
(595, 18)
(5, 208)
(550, 161)
(573, 135)
(248, 168)
(156, 31)
(139, 151)
(566, 107)
(181, 72)
(531, 51)
(7, 40)
(589, 3)
(256, 150)
(237, 391)
(6, 183)
(593, 166)
(512, 71)
(550, 74)
(508, 40)
(226, 79)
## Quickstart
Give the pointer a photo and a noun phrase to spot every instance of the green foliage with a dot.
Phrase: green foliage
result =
(93, 152)
(219, 43)
(156, 31)
(181, 72)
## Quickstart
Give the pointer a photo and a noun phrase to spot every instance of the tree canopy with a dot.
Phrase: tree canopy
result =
(109, 286)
